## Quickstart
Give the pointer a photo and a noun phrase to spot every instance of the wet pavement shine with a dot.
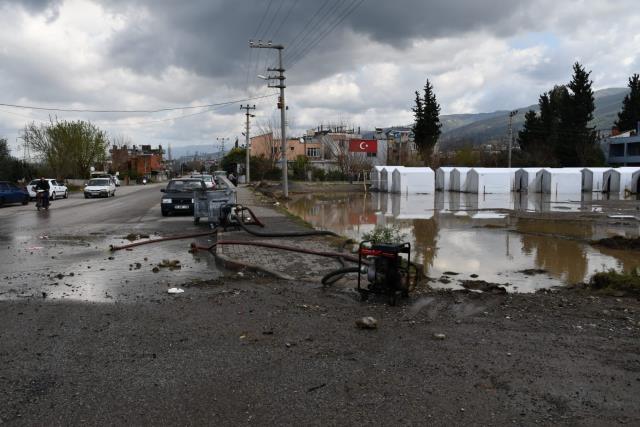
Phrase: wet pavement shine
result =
(63, 253)
(526, 241)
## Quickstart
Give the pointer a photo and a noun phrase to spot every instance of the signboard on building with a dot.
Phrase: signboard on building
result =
(363, 146)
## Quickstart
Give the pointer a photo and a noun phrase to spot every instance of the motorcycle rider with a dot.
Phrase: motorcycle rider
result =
(43, 185)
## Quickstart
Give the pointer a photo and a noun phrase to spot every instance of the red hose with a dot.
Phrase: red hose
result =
(163, 239)
(289, 248)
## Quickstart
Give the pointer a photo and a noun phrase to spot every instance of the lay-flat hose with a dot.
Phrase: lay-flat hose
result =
(334, 276)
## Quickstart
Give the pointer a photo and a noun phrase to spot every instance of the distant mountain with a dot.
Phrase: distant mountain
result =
(191, 150)
(481, 128)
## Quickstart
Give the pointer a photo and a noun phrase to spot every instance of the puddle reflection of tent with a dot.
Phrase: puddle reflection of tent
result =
(413, 207)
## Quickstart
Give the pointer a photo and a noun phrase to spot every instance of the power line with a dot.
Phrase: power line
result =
(292, 51)
(293, 6)
(159, 110)
(314, 43)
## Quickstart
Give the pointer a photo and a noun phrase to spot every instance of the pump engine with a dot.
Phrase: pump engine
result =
(387, 272)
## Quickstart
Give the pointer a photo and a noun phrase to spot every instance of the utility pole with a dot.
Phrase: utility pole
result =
(221, 141)
(511, 114)
(247, 173)
(281, 104)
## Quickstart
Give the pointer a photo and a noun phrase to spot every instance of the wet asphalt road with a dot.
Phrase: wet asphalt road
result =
(63, 253)
(132, 207)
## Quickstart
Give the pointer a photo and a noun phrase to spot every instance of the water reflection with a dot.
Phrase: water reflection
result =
(474, 234)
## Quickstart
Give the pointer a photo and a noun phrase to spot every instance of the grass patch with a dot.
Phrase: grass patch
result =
(612, 281)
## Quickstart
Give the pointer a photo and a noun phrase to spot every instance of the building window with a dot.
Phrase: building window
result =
(313, 152)
(372, 154)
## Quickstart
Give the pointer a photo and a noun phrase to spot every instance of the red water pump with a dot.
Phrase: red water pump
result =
(387, 271)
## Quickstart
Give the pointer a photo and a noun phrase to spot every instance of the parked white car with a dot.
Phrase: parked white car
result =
(56, 189)
(99, 187)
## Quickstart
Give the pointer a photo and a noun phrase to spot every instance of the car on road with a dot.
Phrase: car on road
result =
(11, 193)
(208, 180)
(56, 189)
(99, 187)
(178, 195)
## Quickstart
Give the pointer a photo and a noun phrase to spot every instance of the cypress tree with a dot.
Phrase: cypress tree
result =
(426, 128)
(577, 140)
(629, 116)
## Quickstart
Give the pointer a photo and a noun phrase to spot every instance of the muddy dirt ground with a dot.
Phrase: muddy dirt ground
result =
(258, 351)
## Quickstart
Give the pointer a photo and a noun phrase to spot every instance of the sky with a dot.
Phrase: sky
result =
(355, 62)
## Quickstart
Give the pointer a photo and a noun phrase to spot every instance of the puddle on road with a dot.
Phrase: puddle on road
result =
(83, 268)
(474, 235)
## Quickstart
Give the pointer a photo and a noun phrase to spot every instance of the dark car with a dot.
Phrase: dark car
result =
(178, 196)
(11, 193)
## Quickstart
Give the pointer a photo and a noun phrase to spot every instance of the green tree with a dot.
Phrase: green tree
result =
(426, 128)
(68, 148)
(629, 116)
(232, 158)
(12, 169)
(579, 146)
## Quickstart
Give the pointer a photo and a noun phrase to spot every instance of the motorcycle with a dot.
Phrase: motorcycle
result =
(42, 200)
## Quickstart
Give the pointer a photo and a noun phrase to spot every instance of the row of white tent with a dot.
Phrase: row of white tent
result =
(414, 180)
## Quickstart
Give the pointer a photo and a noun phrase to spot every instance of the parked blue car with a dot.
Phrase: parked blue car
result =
(11, 193)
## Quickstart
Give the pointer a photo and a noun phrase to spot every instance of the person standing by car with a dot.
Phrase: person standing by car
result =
(43, 185)
(233, 180)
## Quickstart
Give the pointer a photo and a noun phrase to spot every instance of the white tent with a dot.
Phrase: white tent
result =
(526, 179)
(443, 176)
(635, 182)
(619, 180)
(593, 179)
(458, 179)
(490, 180)
(375, 177)
(560, 181)
(386, 177)
(413, 181)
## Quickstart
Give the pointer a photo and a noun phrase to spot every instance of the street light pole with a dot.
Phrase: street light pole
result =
(511, 114)
(281, 104)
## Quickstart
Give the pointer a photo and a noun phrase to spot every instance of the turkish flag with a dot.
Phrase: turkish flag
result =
(363, 146)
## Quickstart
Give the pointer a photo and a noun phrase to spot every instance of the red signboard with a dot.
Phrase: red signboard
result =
(363, 146)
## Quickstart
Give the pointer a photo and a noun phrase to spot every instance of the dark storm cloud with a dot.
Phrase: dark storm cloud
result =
(210, 37)
(48, 8)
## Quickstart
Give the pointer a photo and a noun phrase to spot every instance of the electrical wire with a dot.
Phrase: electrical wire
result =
(315, 42)
(158, 110)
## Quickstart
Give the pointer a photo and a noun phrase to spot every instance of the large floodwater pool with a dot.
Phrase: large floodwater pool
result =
(482, 235)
